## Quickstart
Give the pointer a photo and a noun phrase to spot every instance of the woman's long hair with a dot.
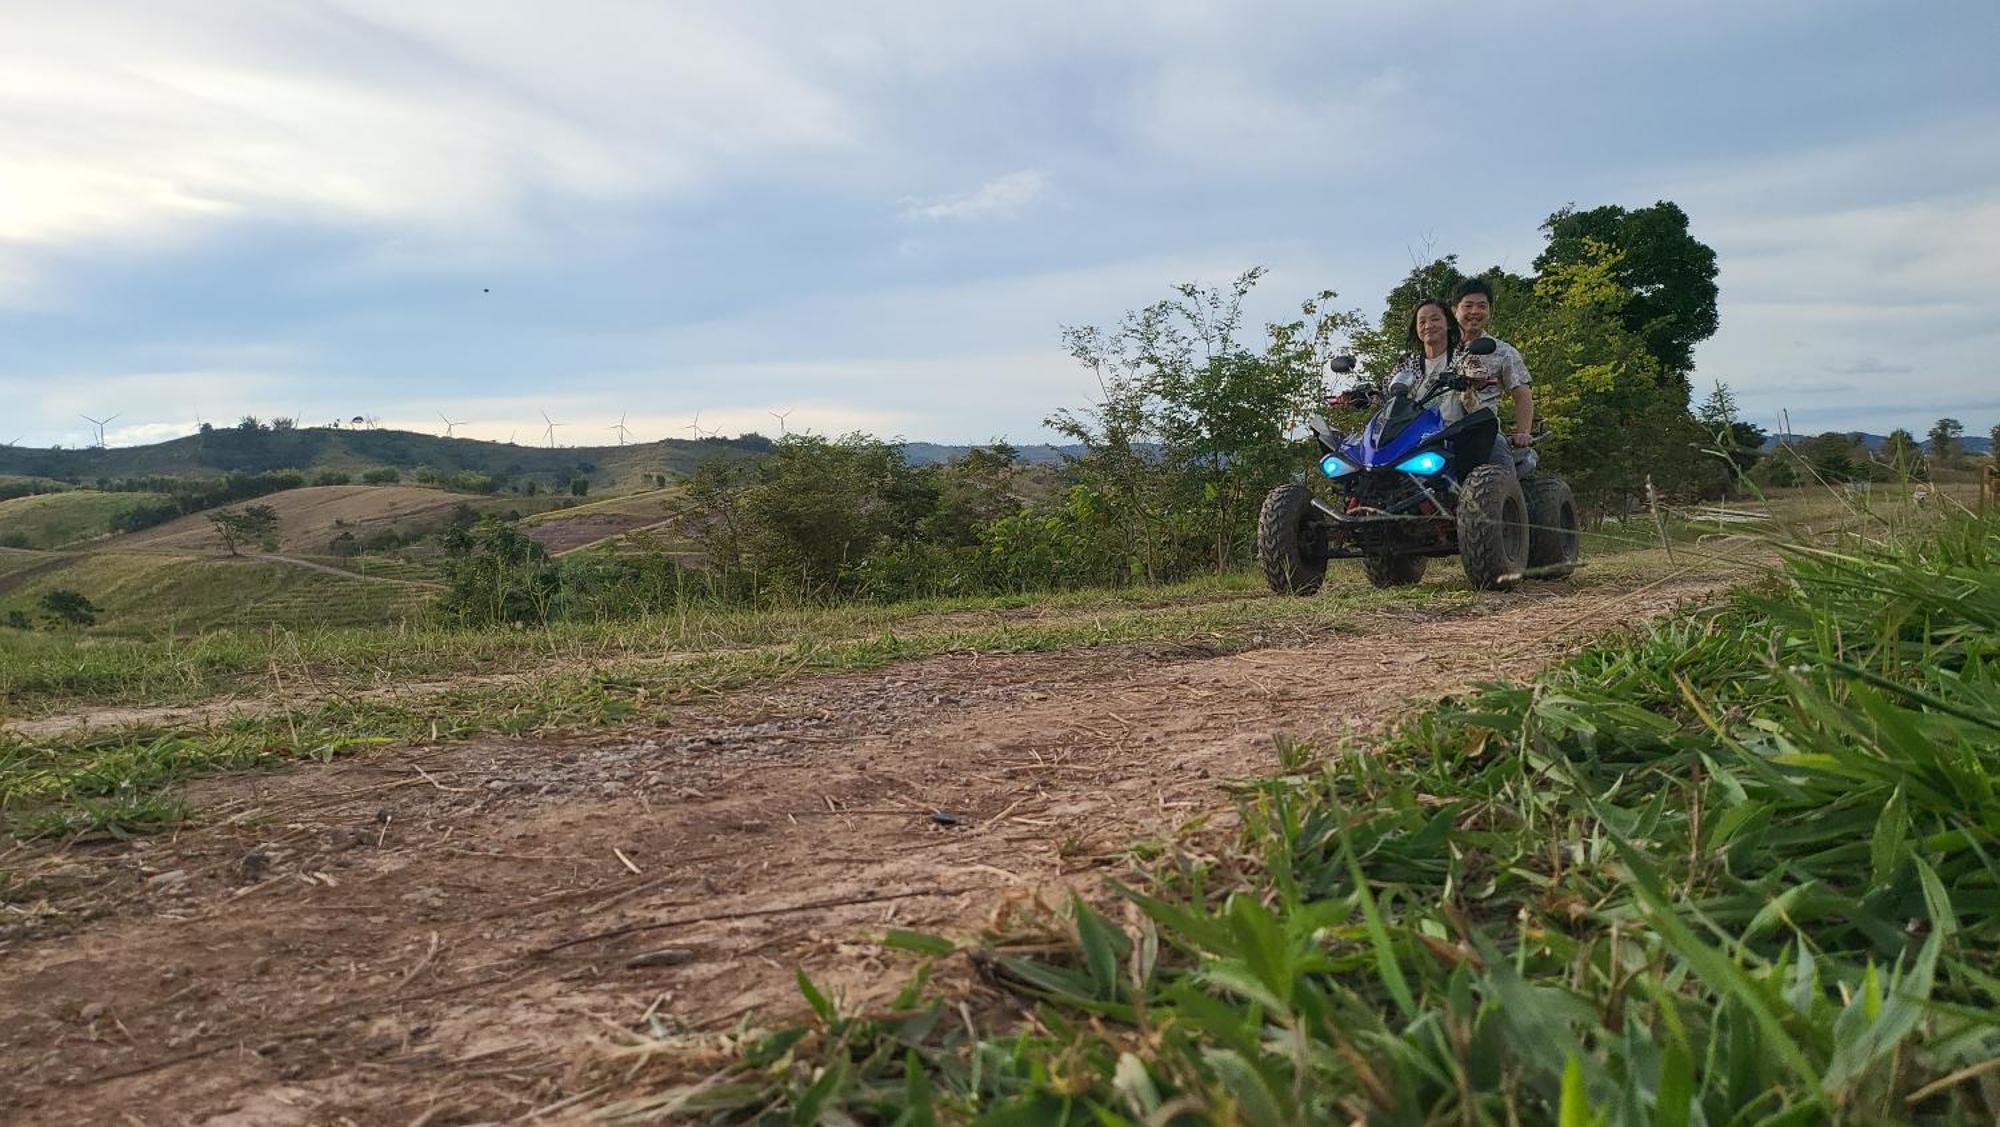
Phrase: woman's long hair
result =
(1417, 342)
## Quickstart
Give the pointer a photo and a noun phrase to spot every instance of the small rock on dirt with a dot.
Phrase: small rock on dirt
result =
(664, 957)
(168, 879)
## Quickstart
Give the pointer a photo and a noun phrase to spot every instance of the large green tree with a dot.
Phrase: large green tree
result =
(1668, 273)
(1613, 422)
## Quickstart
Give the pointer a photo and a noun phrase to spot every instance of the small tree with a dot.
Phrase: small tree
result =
(1993, 444)
(579, 487)
(384, 476)
(1944, 437)
(63, 607)
(257, 524)
(1902, 454)
(18, 620)
(249, 424)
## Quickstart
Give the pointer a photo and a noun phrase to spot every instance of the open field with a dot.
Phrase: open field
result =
(58, 520)
(420, 872)
(154, 593)
(355, 938)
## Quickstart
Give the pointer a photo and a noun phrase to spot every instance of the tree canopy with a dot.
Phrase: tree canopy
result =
(1668, 273)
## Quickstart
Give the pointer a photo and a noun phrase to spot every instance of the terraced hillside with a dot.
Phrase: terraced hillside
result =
(309, 518)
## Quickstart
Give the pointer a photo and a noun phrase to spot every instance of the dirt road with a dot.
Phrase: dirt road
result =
(438, 932)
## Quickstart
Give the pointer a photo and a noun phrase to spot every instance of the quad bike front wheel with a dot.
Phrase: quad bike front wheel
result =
(1288, 539)
(1554, 542)
(1492, 528)
(1393, 571)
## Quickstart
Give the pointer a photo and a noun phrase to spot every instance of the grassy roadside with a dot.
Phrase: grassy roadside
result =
(1741, 869)
(121, 778)
(49, 673)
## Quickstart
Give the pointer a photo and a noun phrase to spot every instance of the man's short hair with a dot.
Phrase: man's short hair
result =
(1469, 287)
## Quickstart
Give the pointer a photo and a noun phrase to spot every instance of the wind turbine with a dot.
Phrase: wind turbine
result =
(100, 427)
(620, 427)
(17, 440)
(781, 416)
(549, 432)
(448, 424)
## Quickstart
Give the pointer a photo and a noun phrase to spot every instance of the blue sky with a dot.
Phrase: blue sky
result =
(877, 215)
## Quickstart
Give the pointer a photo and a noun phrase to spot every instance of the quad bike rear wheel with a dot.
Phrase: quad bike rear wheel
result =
(1289, 539)
(1492, 528)
(1393, 571)
(1554, 543)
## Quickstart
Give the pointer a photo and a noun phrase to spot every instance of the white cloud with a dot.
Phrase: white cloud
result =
(153, 122)
(1001, 196)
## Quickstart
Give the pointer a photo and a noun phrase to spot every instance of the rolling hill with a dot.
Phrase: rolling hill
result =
(329, 450)
(138, 592)
(311, 516)
(1971, 443)
(57, 520)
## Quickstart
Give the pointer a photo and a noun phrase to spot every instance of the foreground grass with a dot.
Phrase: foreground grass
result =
(1743, 869)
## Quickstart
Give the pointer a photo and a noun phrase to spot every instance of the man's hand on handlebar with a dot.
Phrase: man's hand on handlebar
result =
(1360, 396)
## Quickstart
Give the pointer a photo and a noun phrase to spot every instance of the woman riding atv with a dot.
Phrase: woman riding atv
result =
(1435, 351)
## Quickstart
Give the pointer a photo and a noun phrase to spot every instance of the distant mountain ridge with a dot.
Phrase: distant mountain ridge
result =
(316, 450)
(1971, 443)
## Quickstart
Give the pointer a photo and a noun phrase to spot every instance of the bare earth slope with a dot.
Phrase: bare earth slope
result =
(434, 933)
(310, 516)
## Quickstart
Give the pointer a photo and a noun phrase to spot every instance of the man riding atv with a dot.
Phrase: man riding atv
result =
(1415, 484)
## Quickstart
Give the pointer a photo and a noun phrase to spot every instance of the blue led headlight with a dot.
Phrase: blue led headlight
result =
(1333, 465)
(1426, 463)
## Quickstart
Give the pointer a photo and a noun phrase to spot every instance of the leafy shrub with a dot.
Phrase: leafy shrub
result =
(64, 607)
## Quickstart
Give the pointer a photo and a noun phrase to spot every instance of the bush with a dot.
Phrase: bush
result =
(384, 476)
(331, 477)
(64, 607)
(18, 620)
(501, 577)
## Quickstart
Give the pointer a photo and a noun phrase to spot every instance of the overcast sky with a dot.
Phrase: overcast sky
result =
(877, 215)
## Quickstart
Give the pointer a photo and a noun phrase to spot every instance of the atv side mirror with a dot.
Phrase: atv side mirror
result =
(1484, 346)
(1341, 365)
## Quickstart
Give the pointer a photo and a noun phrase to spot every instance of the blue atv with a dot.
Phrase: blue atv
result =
(1410, 487)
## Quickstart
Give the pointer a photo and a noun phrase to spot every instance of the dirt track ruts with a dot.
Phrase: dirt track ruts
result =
(435, 932)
